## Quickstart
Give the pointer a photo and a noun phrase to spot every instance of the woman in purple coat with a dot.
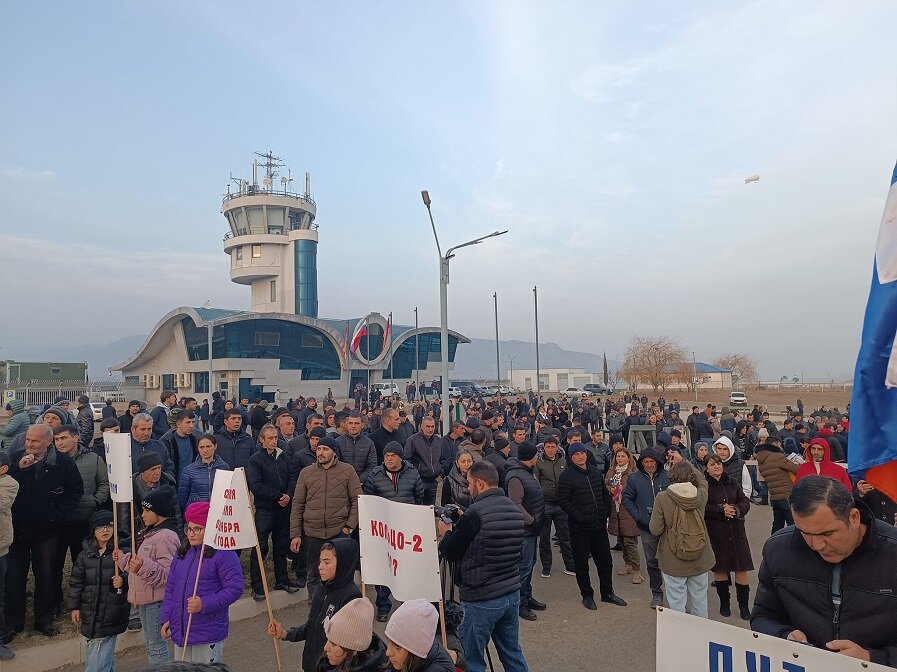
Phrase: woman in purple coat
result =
(220, 585)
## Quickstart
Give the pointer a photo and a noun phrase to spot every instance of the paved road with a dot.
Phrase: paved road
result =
(566, 636)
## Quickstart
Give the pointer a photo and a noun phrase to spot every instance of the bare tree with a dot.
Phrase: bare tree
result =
(653, 360)
(685, 374)
(614, 376)
(742, 367)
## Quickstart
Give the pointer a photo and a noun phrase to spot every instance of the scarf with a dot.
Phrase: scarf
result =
(616, 482)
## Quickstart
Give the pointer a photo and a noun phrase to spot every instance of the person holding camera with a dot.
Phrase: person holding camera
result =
(486, 543)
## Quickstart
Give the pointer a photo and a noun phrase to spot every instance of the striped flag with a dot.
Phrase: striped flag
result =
(388, 332)
(361, 331)
(346, 342)
(872, 451)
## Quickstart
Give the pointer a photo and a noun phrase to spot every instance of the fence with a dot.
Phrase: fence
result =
(38, 393)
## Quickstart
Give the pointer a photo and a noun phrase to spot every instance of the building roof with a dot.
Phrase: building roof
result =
(702, 367)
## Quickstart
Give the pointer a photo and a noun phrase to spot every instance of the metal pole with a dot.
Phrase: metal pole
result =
(497, 355)
(416, 354)
(694, 363)
(210, 328)
(536, 310)
(390, 351)
(443, 339)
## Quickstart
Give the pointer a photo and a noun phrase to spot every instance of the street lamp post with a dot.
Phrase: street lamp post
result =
(538, 370)
(511, 359)
(497, 351)
(443, 303)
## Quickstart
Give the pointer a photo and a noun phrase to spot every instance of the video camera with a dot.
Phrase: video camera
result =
(450, 513)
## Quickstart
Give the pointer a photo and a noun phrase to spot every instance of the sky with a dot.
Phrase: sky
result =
(611, 139)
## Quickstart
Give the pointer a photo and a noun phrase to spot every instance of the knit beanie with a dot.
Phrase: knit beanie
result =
(526, 451)
(148, 460)
(352, 626)
(393, 447)
(330, 442)
(320, 432)
(413, 627)
(574, 448)
(100, 519)
(160, 501)
(60, 413)
(197, 513)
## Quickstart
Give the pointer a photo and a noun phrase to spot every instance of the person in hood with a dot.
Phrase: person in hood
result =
(219, 585)
(336, 567)
(148, 568)
(17, 424)
(734, 465)
(685, 554)
(638, 500)
(778, 472)
(700, 458)
(97, 597)
(819, 463)
(411, 642)
(351, 645)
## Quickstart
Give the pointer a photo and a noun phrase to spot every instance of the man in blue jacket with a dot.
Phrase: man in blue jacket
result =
(638, 498)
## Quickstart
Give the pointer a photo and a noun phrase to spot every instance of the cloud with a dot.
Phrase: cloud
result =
(22, 173)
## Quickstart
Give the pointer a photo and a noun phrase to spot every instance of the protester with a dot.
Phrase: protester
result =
(724, 513)
(197, 479)
(455, 488)
(700, 459)
(235, 446)
(620, 523)
(98, 597)
(684, 552)
(834, 543)
(397, 481)
(181, 442)
(220, 585)
(641, 489)
(336, 569)
(486, 544)
(819, 463)
(351, 644)
(587, 503)
(411, 644)
(126, 418)
(272, 484)
(50, 488)
(150, 477)
(160, 413)
(143, 443)
(17, 424)
(9, 488)
(549, 467)
(431, 455)
(325, 506)
(733, 464)
(778, 472)
(157, 542)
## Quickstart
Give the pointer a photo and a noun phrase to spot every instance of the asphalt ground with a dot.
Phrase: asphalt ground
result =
(565, 637)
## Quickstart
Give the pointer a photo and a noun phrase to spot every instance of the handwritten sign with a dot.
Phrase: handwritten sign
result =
(686, 642)
(399, 548)
(231, 525)
(118, 462)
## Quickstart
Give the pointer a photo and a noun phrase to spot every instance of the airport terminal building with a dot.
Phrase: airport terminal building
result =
(280, 348)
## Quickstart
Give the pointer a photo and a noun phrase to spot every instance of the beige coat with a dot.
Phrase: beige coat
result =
(777, 470)
(683, 496)
(9, 488)
(325, 501)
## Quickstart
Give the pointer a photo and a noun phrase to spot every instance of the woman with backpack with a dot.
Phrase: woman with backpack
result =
(727, 505)
(684, 552)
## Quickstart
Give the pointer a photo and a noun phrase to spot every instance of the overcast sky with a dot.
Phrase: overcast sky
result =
(612, 139)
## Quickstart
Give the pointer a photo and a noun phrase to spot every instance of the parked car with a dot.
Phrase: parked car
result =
(594, 388)
(386, 389)
(738, 399)
(489, 390)
(455, 392)
(504, 389)
(574, 392)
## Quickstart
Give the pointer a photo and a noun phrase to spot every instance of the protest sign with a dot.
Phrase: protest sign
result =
(399, 548)
(686, 642)
(118, 462)
(231, 525)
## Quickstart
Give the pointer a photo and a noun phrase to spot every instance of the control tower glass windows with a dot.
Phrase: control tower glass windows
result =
(306, 264)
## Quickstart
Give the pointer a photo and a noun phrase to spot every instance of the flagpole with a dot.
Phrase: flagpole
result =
(195, 588)
(416, 354)
(497, 355)
(389, 326)
(115, 535)
(133, 536)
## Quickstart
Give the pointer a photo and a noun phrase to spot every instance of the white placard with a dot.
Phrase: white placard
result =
(118, 463)
(686, 642)
(230, 525)
(399, 548)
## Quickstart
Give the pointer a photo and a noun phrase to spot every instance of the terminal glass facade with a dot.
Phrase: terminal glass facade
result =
(296, 346)
(429, 349)
(306, 253)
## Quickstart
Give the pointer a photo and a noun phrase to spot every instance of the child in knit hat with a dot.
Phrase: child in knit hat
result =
(351, 644)
(411, 639)
(99, 599)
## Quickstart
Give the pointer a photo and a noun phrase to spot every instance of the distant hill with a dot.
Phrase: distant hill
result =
(474, 360)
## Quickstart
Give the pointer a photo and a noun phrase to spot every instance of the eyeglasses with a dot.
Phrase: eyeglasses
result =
(104, 528)
(194, 530)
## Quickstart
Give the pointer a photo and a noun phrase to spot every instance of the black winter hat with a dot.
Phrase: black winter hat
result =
(393, 447)
(148, 460)
(320, 432)
(526, 451)
(160, 501)
(100, 519)
(617, 438)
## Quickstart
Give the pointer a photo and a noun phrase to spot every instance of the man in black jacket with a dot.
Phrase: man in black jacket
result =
(586, 501)
(486, 545)
(386, 432)
(431, 455)
(50, 487)
(272, 483)
(524, 490)
(85, 420)
(829, 580)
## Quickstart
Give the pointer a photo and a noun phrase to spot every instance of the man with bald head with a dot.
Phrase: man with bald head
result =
(50, 487)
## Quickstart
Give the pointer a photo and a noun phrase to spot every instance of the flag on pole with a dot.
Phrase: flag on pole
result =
(606, 376)
(346, 342)
(873, 404)
(231, 525)
(361, 331)
(388, 332)
(118, 463)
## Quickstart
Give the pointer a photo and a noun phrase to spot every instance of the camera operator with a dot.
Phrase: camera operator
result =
(486, 541)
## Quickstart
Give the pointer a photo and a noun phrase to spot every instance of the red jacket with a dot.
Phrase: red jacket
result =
(826, 467)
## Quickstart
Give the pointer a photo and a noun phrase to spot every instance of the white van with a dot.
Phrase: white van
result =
(386, 389)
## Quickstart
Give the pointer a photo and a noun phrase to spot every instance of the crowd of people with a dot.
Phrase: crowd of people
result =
(512, 480)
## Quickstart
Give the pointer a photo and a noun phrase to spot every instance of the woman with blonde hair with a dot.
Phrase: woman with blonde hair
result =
(620, 523)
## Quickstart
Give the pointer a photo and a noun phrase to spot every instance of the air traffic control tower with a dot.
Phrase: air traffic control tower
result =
(273, 240)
